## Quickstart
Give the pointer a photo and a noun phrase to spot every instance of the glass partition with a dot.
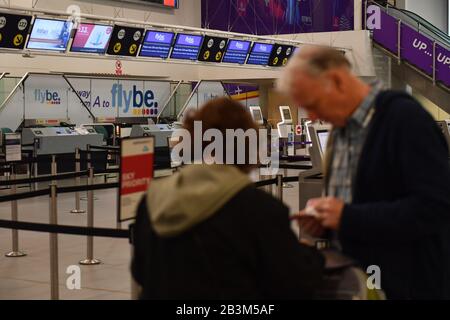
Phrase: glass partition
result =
(181, 91)
(203, 92)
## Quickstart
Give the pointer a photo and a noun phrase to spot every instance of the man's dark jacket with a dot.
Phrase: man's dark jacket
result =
(400, 216)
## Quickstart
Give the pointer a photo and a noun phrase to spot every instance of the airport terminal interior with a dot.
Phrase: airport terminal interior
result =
(93, 93)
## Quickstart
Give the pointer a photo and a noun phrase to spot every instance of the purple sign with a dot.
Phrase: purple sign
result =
(267, 17)
(189, 40)
(417, 49)
(387, 34)
(443, 65)
(159, 37)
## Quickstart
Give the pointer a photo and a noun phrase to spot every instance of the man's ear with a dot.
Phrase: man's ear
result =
(336, 79)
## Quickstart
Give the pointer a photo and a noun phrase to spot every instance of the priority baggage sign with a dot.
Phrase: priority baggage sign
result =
(136, 172)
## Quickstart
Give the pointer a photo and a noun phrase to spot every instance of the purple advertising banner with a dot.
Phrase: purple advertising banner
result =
(267, 17)
(443, 65)
(387, 34)
(417, 49)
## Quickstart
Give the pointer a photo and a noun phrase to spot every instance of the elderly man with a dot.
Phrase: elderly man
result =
(387, 176)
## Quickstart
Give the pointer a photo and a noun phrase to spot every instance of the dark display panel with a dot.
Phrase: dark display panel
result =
(280, 55)
(213, 49)
(125, 41)
(13, 30)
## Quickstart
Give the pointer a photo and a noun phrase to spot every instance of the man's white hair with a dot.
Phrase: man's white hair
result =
(311, 59)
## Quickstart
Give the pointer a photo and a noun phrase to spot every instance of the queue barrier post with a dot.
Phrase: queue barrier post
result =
(285, 184)
(54, 267)
(280, 187)
(89, 165)
(35, 164)
(77, 209)
(90, 260)
(15, 253)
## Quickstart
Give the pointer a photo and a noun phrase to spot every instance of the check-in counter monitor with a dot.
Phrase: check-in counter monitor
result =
(311, 181)
(257, 115)
(161, 132)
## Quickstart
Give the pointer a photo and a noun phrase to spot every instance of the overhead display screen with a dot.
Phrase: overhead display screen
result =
(186, 47)
(280, 55)
(212, 49)
(260, 54)
(13, 30)
(125, 41)
(164, 3)
(50, 34)
(91, 38)
(236, 52)
(157, 44)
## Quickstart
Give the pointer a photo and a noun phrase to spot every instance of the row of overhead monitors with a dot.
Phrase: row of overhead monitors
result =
(20, 32)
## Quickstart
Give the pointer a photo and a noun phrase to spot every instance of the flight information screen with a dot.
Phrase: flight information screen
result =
(157, 44)
(186, 47)
(260, 54)
(91, 38)
(280, 55)
(212, 49)
(13, 30)
(50, 34)
(236, 52)
(125, 41)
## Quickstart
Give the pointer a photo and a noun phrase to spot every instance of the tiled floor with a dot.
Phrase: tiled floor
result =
(28, 277)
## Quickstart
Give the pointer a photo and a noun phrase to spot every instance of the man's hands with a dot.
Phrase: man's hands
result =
(320, 214)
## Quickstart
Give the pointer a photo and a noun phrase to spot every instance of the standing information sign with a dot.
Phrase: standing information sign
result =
(136, 172)
(13, 147)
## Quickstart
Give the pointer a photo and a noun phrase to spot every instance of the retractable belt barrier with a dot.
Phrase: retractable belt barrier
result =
(62, 229)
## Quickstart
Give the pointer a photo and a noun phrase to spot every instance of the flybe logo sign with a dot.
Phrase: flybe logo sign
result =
(47, 97)
(140, 102)
(134, 102)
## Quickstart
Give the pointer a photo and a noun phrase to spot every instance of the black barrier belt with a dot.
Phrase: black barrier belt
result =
(264, 183)
(290, 179)
(25, 195)
(112, 148)
(44, 192)
(107, 171)
(72, 230)
(295, 166)
(61, 176)
(102, 186)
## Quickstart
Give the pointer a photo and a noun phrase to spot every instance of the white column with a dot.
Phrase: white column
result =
(358, 16)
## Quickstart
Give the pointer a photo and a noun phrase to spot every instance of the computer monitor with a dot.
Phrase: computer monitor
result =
(286, 115)
(319, 134)
(323, 140)
(91, 38)
(257, 116)
(50, 34)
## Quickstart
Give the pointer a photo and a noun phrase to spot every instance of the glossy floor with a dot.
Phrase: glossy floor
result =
(28, 277)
